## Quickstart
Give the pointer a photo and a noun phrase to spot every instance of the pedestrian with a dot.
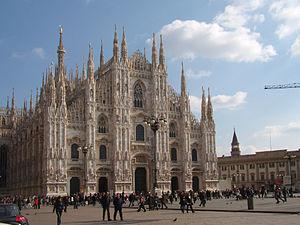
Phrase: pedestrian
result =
(141, 204)
(58, 208)
(284, 193)
(189, 203)
(163, 201)
(277, 195)
(182, 202)
(105, 202)
(202, 198)
(118, 203)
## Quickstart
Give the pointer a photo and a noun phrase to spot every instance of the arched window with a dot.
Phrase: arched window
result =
(102, 125)
(74, 152)
(173, 154)
(3, 121)
(172, 130)
(138, 96)
(139, 133)
(194, 155)
(102, 153)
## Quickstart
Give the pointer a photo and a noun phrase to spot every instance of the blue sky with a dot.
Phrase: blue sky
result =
(234, 47)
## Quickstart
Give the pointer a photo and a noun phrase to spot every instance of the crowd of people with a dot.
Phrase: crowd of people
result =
(143, 201)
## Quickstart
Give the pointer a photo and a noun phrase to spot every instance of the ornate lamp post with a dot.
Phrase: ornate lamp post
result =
(155, 123)
(289, 158)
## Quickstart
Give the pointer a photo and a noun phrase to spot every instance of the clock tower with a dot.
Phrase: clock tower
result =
(235, 146)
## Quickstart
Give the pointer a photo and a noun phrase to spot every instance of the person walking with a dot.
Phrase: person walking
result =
(189, 203)
(141, 204)
(105, 202)
(182, 201)
(58, 208)
(163, 201)
(118, 203)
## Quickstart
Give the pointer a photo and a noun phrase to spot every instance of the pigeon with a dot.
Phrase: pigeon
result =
(175, 220)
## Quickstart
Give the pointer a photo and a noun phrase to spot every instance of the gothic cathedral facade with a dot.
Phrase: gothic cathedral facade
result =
(86, 131)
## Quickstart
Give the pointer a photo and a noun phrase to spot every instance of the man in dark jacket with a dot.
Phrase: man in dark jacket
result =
(58, 208)
(118, 202)
(105, 202)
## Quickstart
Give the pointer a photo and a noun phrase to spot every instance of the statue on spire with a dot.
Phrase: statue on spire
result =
(60, 52)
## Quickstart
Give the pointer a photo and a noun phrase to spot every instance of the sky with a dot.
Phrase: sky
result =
(235, 47)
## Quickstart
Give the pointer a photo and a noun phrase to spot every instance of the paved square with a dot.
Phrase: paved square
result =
(89, 215)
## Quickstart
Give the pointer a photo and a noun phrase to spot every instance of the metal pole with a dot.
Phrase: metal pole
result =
(154, 159)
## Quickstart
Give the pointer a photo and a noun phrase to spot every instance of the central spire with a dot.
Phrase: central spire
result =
(183, 82)
(60, 51)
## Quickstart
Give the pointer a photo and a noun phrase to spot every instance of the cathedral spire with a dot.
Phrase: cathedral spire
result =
(101, 59)
(30, 104)
(91, 64)
(7, 103)
(83, 75)
(76, 74)
(60, 51)
(154, 54)
(161, 54)
(209, 107)
(183, 82)
(203, 106)
(235, 145)
(25, 106)
(116, 47)
(13, 101)
(124, 48)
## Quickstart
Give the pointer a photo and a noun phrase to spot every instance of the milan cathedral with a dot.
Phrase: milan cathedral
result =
(86, 130)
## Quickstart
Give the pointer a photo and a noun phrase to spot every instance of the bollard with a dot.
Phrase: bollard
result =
(250, 203)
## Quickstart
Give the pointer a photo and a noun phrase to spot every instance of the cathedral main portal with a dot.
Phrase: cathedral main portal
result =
(140, 180)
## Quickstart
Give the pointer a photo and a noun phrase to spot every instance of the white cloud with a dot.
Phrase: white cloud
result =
(220, 101)
(278, 130)
(191, 39)
(295, 48)
(239, 13)
(287, 13)
(195, 103)
(229, 102)
(197, 74)
(18, 55)
(36, 52)
(40, 52)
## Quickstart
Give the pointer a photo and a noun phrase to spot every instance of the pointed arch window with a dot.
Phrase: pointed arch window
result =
(194, 155)
(172, 130)
(74, 152)
(138, 96)
(139, 133)
(102, 125)
(173, 154)
(102, 152)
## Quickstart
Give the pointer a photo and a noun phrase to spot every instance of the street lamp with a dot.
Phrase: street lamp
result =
(289, 158)
(155, 123)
